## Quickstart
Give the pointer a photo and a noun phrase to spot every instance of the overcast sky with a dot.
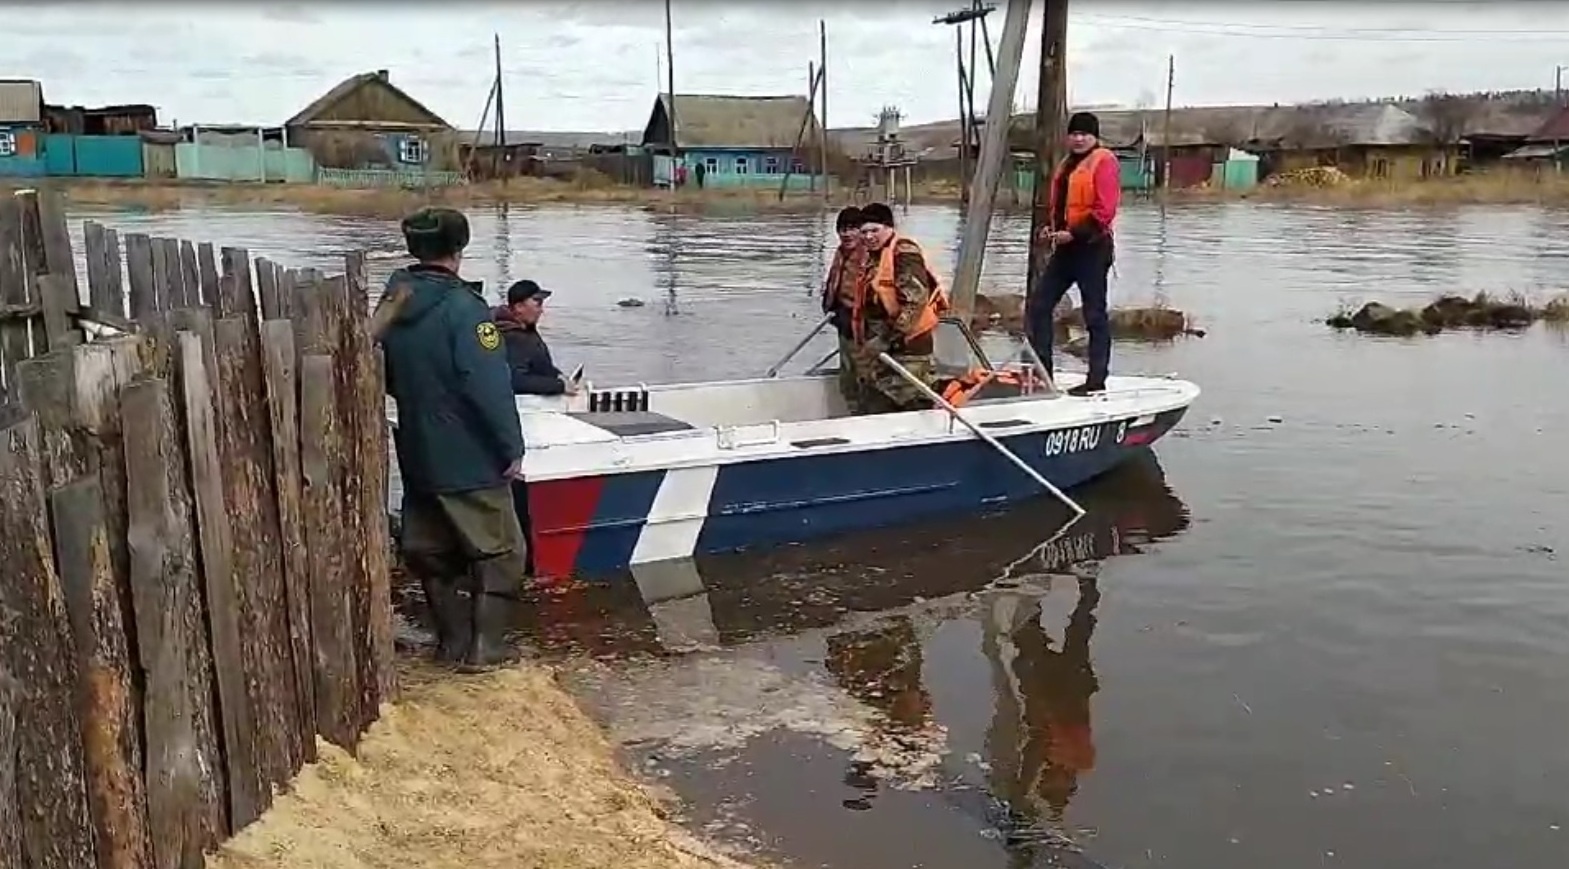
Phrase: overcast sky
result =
(594, 65)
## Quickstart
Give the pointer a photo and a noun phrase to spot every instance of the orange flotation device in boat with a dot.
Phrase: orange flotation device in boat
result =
(966, 386)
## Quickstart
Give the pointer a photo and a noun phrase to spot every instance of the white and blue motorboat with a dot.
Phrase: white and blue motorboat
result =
(628, 475)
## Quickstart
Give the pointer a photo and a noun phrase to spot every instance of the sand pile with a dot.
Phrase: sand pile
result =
(501, 770)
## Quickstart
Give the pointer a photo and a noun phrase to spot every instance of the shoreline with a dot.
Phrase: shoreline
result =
(500, 769)
(166, 195)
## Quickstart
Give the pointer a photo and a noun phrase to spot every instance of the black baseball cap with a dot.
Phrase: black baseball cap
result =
(524, 290)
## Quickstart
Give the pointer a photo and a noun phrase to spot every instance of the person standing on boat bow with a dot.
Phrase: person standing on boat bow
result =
(897, 313)
(1082, 206)
(533, 371)
(459, 442)
(841, 294)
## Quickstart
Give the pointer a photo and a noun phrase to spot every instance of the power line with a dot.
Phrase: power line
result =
(1336, 34)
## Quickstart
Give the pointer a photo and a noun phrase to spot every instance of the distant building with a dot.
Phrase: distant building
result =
(21, 128)
(739, 141)
(366, 122)
(1546, 145)
(127, 120)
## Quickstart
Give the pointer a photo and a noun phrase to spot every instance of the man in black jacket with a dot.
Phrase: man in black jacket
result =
(459, 441)
(533, 372)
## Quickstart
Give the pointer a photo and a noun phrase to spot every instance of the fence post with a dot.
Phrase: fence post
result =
(36, 649)
(184, 809)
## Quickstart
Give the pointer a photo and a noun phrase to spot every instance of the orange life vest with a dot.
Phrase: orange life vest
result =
(836, 288)
(964, 387)
(886, 289)
(1081, 188)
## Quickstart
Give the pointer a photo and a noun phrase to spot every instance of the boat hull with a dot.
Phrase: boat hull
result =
(599, 524)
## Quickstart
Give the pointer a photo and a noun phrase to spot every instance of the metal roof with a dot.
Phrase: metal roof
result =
(21, 101)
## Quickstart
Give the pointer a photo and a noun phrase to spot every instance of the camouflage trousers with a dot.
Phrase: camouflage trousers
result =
(850, 386)
(884, 390)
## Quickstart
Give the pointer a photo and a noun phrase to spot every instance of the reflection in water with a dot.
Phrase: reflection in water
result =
(1041, 737)
(881, 667)
(504, 247)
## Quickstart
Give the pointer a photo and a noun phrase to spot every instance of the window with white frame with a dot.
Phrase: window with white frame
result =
(741, 167)
(413, 150)
(771, 165)
(7, 143)
(711, 164)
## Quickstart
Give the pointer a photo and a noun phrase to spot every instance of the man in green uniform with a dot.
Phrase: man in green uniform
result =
(458, 439)
(903, 302)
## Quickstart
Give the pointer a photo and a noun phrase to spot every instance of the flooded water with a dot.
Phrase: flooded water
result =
(1330, 626)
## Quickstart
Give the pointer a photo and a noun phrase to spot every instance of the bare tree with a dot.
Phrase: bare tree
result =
(1445, 115)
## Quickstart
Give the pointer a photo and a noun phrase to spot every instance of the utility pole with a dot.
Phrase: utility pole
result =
(1051, 110)
(670, 86)
(1165, 126)
(972, 15)
(822, 134)
(501, 119)
(993, 159)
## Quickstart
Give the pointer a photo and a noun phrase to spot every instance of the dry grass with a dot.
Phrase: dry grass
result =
(1483, 188)
(1156, 322)
(1510, 311)
(501, 770)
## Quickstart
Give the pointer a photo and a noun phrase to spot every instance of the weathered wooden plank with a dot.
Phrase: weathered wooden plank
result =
(114, 268)
(58, 259)
(236, 297)
(287, 292)
(272, 306)
(93, 242)
(321, 452)
(245, 445)
(361, 393)
(178, 297)
(215, 534)
(281, 370)
(141, 286)
(11, 856)
(207, 270)
(184, 807)
(108, 703)
(190, 275)
(54, 292)
(15, 285)
(36, 649)
(162, 288)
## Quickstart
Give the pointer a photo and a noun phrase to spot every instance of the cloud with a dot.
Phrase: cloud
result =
(597, 65)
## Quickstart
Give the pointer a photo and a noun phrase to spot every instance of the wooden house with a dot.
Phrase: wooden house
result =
(366, 122)
(1546, 146)
(739, 141)
(21, 128)
(126, 120)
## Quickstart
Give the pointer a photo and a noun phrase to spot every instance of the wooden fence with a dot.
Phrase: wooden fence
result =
(192, 533)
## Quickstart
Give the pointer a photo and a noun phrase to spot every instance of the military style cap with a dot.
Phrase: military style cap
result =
(434, 232)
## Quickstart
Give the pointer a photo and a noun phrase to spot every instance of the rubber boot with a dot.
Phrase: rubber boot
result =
(448, 623)
(494, 580)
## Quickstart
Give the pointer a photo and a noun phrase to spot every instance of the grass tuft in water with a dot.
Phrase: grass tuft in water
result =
(1508, 312)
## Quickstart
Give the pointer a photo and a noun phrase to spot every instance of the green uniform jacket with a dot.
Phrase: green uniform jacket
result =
(447, 370)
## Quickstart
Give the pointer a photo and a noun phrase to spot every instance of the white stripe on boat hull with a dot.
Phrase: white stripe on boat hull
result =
(677, 516)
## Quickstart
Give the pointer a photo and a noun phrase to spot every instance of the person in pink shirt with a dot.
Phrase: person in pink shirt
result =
(1082, 206)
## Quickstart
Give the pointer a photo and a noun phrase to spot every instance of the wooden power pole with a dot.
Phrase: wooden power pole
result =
(1051, 110)
(501, 119)
(822, 134)
(993, 159)
(1165, 126)
(670, 87)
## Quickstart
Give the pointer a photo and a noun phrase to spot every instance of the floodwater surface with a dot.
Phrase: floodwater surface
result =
(1328, 626)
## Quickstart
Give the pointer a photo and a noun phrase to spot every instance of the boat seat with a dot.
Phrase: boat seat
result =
(631, 423)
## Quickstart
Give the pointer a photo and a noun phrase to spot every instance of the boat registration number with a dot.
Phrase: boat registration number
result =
(1068, 441)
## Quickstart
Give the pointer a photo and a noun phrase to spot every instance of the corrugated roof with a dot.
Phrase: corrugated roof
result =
(716, 121)
(349, 85)
(21, 101)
